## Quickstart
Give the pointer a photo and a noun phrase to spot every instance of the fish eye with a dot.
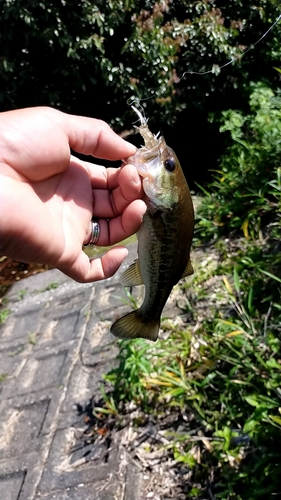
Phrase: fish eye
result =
(170, 164)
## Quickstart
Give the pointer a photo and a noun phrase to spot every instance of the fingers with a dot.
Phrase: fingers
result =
(32, 144)
(125, 187)
(93, 137)
(129, 189)
(36, 141)
(119, 228)
(110, 178)
(85, 270)
(127, 177)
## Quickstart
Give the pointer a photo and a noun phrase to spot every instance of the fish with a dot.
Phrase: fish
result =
(164, 238)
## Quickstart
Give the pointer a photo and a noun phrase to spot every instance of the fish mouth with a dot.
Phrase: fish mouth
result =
(147, 160)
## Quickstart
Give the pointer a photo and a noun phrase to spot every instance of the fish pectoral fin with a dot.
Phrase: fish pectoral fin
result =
(188, 270)
(132, 326)
(132, 276)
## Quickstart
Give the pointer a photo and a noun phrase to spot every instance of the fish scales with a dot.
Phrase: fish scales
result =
(164, 239)
(156, 262)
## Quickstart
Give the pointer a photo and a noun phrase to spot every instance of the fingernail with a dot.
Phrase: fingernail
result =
(136, 178)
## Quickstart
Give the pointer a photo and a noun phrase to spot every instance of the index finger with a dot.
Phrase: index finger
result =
(91, 136)
(110, 178)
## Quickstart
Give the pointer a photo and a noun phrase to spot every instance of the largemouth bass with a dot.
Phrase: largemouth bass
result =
(164, 238)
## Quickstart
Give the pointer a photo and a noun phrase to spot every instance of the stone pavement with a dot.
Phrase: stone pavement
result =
(54, 348)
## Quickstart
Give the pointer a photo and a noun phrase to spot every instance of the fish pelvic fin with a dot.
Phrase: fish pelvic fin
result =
(132, 276)
(188, 270)
(132, 326)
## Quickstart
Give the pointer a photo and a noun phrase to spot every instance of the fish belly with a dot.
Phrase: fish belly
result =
(162, 260)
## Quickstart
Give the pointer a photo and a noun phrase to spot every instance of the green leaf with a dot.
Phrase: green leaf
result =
(270, 275)
(275, 419)
(236, 280)
(252, 400)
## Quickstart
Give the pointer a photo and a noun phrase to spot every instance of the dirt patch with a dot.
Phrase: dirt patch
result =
(11, 271)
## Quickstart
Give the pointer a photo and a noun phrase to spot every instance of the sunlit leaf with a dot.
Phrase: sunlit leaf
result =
(275, 419)
(245, 228)
(235, 332)
(227, 285)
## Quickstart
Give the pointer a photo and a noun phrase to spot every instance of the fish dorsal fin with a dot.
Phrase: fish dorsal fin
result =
(188, 270)
(132, 276)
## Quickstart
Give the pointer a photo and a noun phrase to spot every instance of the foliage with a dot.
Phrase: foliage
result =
(223, 378)
(66, 54)
(95, 58)
(220, 377)
(133, 358)
(245, 195)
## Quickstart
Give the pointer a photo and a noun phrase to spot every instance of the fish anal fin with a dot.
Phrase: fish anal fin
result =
(188, 270)
(131, 326)
(132, 276)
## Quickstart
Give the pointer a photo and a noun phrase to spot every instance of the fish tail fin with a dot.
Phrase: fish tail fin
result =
(132, 326)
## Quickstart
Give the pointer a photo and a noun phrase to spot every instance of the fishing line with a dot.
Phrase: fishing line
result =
(136, 100)
(141, 116)
(135, 104)
(236, 57)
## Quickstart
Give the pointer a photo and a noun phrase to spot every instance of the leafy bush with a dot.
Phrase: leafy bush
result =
(93, 58)
(218, 388)
(65, 54)
(245, 195)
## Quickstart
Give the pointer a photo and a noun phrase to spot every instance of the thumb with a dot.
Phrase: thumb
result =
(85, 270)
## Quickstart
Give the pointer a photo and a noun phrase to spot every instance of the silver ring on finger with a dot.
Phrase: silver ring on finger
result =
(95, 233)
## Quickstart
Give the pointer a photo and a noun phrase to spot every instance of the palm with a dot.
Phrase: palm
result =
(67, 199)
(48, 198)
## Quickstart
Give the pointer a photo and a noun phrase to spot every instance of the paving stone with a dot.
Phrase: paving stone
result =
(25, 421)
(133, 482)
(60, 472)
(59, 330)
(70, 300)
(20, 476)
(21, 291)
(13, 358)
(101, 490)
(84, 384)
(7, 328)
(55, 347)
(26, 321)
(39, 372)
(31, 419)
(11, 485)
(98, 336)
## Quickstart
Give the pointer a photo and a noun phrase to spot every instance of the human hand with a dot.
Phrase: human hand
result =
(49, 197)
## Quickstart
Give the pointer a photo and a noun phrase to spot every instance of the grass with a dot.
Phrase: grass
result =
(51, 286)
(3, 377)
(3, 315)
(21, 294)
(32, 338)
